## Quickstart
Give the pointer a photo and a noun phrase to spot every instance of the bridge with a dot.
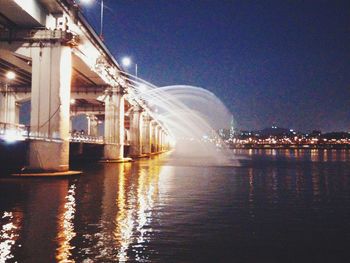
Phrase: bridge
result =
(51, 57)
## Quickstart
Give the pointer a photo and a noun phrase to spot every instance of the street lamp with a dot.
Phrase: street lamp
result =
(126, 62)
(101, 22)
(88, 2)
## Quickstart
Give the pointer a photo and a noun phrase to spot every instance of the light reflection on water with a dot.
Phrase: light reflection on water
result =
(9, 234)
(66, 227)
(124, 229)
(276, 203)
(314, 155)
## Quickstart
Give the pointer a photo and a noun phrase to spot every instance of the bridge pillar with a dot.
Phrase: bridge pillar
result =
(50, 105)
(153, 136)
(165, 148)
(92, 125)
(159, 139)
(162, 140)
(146, 135)
(9, 109)
(114, 124)
(166, 142)
(135, 132)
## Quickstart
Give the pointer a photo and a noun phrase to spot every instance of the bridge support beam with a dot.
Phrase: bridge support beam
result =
(114, 124)
(9, 109)
(50, 103)
(135, 132)
(146, 135)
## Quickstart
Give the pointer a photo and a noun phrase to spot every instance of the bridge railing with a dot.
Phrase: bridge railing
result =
(19, 132)
(86, 138)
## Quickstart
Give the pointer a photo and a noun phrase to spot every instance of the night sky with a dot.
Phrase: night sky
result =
(283, 62)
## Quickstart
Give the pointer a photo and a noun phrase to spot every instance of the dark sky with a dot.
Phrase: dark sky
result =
(273, 61)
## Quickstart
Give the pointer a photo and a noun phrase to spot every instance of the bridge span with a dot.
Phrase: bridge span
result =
(51, 57)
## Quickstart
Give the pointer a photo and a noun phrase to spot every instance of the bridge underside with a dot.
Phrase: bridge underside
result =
(63, 92)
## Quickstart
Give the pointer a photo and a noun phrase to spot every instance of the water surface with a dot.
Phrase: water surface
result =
(270, 206)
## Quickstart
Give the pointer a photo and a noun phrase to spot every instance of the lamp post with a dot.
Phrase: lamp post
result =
(126, 62)
(87, 2)
(101, 21)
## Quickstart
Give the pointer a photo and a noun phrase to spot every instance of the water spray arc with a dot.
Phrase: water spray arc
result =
(191, 115)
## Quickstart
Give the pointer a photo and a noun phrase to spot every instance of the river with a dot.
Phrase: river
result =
(268, 206)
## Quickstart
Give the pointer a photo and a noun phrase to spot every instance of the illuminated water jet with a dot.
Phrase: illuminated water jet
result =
(192, 115)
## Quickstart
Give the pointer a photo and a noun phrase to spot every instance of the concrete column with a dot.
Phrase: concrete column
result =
(50, 104)
(114, 124)
(9, 110)
(157, 129)
(146, 135)
(166, 141)
(135, 131)
(92, 125)
(162, 140)
(160, 131)
(153, 137)
(17, 111)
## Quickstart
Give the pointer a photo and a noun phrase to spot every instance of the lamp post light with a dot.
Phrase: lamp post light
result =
(126, 62)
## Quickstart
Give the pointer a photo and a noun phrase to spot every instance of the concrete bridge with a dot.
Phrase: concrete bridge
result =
(50, 56)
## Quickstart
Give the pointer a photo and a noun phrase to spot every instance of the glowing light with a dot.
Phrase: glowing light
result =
(10, 75)
(86, 2)
(126, 62)
(72, 101)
